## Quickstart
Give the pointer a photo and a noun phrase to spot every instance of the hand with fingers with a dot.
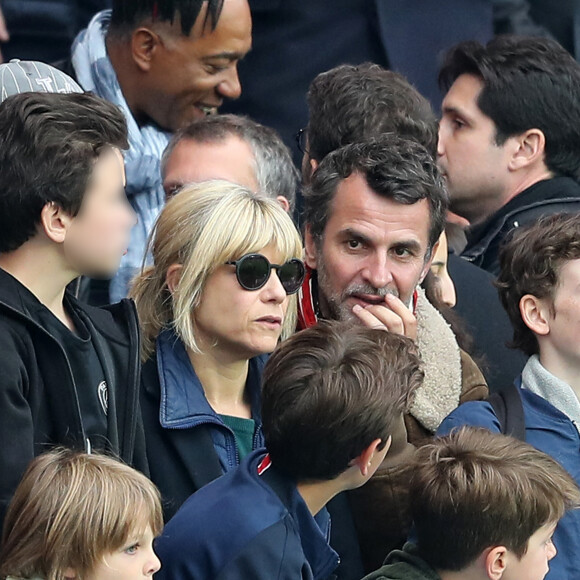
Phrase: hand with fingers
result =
(393, 316)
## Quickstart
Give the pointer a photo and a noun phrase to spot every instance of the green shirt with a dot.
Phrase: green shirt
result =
(243, 432)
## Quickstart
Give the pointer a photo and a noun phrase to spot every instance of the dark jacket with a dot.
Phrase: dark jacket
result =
(559, 194)
(552, 432)
(245, 525)
(45, 29)
(486, 321)
(405, 564)
(188, 445)
(540, 18)
(39, 406)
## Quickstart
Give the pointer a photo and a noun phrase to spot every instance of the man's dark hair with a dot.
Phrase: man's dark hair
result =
(49, 143)
(530, 263)
(528, 83)
(473, 489)
(350, 104)
(129, 14)
(396, 168)
(330, 391)
(275, 171)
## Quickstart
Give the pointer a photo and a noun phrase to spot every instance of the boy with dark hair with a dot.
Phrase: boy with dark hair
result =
(485, 507)
(333, 400)
(70, 373)
(538, 285)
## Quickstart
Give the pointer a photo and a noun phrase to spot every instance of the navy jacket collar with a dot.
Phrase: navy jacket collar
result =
(183, 401)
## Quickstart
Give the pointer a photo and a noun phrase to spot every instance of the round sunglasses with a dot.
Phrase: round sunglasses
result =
(253, 271)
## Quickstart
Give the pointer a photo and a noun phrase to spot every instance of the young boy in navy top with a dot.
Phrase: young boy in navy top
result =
(539, 285)
(333, 397)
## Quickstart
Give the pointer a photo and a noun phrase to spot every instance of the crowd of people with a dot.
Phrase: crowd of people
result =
(218, 366)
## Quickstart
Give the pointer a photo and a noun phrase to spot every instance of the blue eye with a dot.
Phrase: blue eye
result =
(131, 549)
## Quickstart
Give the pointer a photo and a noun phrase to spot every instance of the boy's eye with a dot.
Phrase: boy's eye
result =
(131, 549)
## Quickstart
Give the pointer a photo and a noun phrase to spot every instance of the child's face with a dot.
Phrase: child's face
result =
(564, 334)
(534, 563)
(134, 561)
(99, 235)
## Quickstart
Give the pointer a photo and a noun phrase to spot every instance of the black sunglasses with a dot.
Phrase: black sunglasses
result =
(301, 140)
(253, 271)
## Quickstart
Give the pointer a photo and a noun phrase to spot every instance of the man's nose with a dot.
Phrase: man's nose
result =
(377, 271)
(230, 87)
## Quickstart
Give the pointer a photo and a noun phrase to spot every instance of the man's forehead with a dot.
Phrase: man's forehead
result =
(354, 199)
(463, 94)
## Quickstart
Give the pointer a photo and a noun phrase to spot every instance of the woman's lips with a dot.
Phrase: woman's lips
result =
(270, 321)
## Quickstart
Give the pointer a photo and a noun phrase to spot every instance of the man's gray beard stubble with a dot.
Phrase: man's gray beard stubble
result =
(339, 310)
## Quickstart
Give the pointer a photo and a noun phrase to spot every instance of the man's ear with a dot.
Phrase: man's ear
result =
(530, 148)
(284, 203)
(310, 248)
(173, 276)
(535, 313)
(55, 222)
(144, 44)
(495, 562)
(308, 167)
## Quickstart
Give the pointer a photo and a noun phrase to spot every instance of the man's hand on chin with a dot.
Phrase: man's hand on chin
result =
(394, 316)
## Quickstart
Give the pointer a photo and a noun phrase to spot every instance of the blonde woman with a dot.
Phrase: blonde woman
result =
(214, 304)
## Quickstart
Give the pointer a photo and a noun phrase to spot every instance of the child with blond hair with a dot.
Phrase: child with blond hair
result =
(80, 516)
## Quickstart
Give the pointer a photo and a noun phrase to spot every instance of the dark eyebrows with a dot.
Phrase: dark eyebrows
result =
(450, 110)
(351, 234)
(231, 56)
(412, 246)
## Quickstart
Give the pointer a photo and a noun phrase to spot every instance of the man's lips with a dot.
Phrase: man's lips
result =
(368, 299)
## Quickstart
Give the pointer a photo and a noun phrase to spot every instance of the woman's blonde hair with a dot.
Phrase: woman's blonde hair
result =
(70, 510)
(201, 228)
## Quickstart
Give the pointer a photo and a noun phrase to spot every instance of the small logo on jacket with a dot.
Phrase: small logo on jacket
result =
(103, 392)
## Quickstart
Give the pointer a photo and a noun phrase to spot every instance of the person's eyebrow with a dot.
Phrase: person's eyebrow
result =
(354, 234)
(225, 56)
(453, 110)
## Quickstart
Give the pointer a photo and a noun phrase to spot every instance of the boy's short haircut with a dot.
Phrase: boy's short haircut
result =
(49, 143)
(71, 509)
(530, 263)
(330, 391)
(474, 489)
